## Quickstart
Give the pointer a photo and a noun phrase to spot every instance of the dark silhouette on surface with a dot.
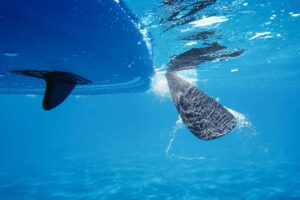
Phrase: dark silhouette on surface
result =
(196, 56)
(204, 35)
(181, 12)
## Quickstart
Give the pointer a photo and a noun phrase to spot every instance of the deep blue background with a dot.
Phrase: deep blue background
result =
(113, 146)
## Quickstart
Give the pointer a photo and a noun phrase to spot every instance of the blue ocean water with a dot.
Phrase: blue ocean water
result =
(132, 146)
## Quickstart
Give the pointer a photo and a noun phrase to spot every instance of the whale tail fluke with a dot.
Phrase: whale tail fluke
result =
(59, 85)
(204, 117)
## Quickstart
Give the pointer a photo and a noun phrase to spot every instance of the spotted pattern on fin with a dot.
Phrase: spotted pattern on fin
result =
(203, 116)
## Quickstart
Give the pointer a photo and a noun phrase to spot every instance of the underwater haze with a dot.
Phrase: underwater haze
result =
(135, 146)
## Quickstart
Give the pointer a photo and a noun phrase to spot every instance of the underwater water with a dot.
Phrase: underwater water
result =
(134, 146)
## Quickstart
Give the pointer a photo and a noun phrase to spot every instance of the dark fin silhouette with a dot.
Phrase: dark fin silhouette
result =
(56, 92)
(203, 116)
(59, 85)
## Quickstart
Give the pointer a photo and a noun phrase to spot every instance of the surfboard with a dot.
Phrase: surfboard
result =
(97, 43)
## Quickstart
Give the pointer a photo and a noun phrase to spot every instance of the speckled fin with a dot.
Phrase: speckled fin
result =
(203, 116)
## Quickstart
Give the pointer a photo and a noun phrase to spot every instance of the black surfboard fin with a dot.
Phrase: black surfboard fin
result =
(59, 85)
(56, 92)
(204, 117)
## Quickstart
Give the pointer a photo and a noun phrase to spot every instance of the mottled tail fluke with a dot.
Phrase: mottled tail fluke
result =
(204, 117)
